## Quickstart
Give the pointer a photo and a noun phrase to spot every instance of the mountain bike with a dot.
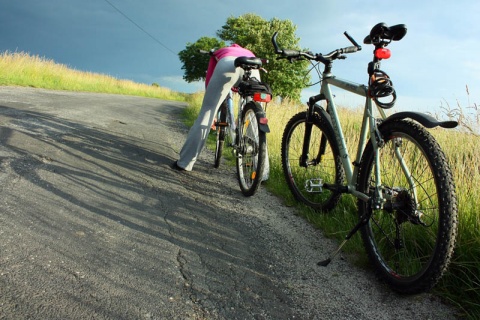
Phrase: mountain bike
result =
(407, 205)
(246, 135)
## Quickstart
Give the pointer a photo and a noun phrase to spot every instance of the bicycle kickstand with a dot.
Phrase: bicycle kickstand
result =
(363, 221)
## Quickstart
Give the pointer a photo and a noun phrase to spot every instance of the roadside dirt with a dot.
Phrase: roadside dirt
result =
(95, 225)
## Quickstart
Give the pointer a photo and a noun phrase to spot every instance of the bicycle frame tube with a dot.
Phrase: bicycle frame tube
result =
(367, 131)
(231, 118)
(332, 110)
(367, 123)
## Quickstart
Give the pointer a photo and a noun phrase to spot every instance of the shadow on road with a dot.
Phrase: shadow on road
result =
(94, 217)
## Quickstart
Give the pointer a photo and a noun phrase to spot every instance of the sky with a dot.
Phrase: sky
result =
(139, 40)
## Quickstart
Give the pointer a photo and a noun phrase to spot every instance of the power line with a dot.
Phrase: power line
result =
(139, 27)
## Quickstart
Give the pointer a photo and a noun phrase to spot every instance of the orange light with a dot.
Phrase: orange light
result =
(262, 97)
(383, 53)
(263, 121)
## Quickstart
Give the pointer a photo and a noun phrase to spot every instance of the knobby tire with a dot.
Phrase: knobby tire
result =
(307, 183)
(411, 239)
(251, 156)
(220, 131)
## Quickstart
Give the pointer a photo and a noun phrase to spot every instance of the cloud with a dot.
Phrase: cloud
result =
(179, 84)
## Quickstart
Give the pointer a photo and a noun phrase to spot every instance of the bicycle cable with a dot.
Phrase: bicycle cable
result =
(319, 73)
(380, 86)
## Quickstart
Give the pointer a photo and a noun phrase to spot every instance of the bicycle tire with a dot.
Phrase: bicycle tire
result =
(220, 128)
(252, 152)
(411, 239)
(307, 183)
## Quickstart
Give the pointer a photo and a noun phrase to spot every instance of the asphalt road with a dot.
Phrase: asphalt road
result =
(95, 225)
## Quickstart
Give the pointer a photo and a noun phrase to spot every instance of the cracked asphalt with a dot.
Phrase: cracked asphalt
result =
(95, 225)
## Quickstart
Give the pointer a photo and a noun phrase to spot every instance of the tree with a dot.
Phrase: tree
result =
(254, 33)
(195, 63)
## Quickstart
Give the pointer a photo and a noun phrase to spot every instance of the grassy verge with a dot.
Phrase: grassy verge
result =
(22, 69)
(461, 284)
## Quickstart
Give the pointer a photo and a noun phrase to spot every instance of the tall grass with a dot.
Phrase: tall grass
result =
(460, 285)
(23, 69)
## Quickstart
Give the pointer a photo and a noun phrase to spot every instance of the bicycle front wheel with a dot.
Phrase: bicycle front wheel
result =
(252, 149)
(410, 236)
(308, 178)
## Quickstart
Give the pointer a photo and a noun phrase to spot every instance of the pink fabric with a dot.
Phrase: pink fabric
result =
(233, 51)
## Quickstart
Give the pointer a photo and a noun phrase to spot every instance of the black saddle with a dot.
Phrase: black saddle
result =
(381, 33)
(248, 62)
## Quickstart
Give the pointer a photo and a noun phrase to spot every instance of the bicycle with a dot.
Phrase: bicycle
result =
(404, 186)
(247, 135)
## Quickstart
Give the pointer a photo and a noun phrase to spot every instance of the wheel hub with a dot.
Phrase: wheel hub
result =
(401, 203)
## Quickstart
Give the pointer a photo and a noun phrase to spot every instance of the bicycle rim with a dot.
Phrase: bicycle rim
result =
(220, 131)
(252, 149)
(411, 239)
(219, 145)
(307, 183)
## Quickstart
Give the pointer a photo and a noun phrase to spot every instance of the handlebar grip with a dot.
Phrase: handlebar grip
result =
(350, 49)
(290, 53)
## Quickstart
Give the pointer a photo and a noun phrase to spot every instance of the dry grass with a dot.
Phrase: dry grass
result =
(22, 69)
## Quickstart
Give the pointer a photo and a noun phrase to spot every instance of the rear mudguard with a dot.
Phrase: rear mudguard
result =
(264, 127)
(424, 119)
(262, 119)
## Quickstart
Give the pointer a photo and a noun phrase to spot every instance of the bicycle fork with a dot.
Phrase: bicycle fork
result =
(315, 184)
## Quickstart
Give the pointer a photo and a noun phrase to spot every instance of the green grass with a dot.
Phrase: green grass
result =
(461, 284)
(22, 69)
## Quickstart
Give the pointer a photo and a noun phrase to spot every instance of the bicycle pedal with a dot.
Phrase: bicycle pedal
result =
(221, 124)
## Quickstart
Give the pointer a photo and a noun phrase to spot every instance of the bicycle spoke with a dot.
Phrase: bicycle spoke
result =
(408, 239)
(252, 151)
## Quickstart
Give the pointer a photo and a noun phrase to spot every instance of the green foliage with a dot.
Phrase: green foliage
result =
(254, 33)
(195, 63)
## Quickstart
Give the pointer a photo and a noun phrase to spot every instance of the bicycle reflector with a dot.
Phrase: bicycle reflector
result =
(382, 53)
(262, 97)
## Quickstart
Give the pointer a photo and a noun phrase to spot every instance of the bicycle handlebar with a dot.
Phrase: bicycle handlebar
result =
(324, 58)
(207, 52)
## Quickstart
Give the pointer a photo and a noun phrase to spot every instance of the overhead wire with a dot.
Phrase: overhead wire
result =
(139, 27)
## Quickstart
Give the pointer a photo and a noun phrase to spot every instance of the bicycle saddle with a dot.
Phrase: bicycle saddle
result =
(248, 62)
(383, 33)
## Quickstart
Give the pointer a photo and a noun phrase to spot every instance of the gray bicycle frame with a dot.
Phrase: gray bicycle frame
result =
(232, 124)
(368, 131)
(230, 118)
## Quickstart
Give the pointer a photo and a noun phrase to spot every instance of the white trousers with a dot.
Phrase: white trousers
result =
(224, 77)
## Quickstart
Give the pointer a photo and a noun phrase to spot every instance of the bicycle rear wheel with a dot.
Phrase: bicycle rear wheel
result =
(411, 238)
(220, 127)
(307, 178)
(252, 149)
